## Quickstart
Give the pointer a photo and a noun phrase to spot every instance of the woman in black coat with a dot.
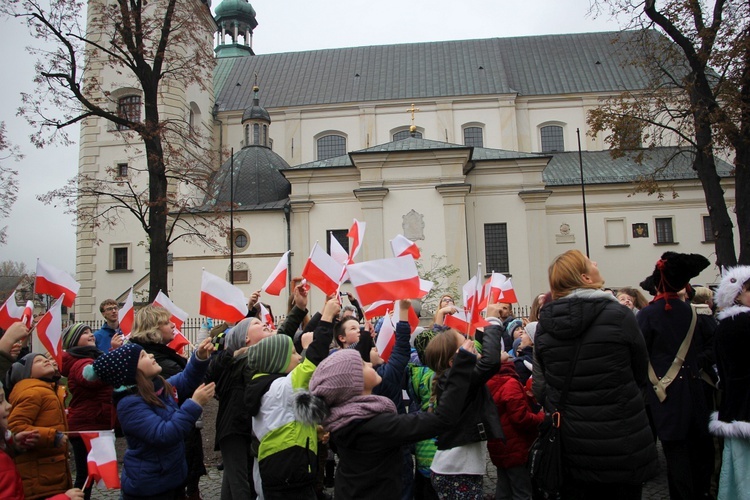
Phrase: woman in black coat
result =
(606, 440)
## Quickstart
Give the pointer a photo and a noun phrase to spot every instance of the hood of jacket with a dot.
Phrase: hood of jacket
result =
(571, 316)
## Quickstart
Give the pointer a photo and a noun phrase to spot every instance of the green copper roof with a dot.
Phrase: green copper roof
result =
(236, 9)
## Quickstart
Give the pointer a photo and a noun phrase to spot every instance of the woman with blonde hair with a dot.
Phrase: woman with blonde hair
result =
(607, 446)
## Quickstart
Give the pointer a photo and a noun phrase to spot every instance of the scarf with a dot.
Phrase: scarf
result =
(88, 351)
(357, 408)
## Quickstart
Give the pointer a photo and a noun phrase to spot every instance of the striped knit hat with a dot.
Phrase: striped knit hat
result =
(72, 335)
(271, 355)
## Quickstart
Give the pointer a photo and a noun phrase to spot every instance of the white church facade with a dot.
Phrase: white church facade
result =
(469, 148)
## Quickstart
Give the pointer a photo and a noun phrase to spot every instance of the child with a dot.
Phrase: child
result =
(368, 433)
(91, 405)
(460, 461)
(39, 404)
(524, 356)
(11, 485)
(520, 426)
(287, 455)
(154, 465)
(732, 422)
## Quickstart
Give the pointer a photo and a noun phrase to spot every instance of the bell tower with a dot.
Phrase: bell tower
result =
(236, 21)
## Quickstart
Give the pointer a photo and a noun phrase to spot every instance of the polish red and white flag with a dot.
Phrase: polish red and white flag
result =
(276, 283)
(266, 316)
(28, 314)
(126, 315)
(385, 279)
(339, 255)
(221, 300)
(424, 288)
(507, 293)
(177, 315)
(460, 321)
(10, 312)
(386, 338)
(378, 309)
(102, 459)
(401, 245)
(501, 289)
(178, 343)
(357, 234)
(323, 271)
(54, 282)
(49, 330)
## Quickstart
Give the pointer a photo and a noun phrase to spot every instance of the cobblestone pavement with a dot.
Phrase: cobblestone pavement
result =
(210, 485)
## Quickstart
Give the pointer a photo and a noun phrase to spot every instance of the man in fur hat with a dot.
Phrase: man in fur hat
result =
(677, 398)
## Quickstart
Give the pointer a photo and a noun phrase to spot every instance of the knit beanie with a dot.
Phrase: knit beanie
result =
(338, 378)
(72, 334)
(531, 330)
(235, 338)
(272, 354)
(117, 368)
(21, 369)
(240, 329)
(513, 325)
(732, 281)
(420, 343)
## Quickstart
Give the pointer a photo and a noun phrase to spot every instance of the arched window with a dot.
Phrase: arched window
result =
(247, 135)
(330, 146)
(552, 139)
(129, 108)
(264, 139)
(473, 137)
(405, 134)
(256, 133)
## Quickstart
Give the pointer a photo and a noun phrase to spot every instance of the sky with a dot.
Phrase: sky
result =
(36, 230)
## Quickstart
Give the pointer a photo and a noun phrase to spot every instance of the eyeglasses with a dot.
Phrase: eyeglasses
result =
(111, 308)
(448, 300)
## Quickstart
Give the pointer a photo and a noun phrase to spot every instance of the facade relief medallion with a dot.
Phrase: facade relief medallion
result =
(413, 225)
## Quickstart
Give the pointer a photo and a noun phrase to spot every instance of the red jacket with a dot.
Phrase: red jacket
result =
(11, 486)
(91, 406)
(520, 423)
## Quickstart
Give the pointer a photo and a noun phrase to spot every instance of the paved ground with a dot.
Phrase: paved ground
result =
(654, 489)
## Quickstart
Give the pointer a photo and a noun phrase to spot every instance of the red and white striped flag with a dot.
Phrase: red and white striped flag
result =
(337, 251)
(460, 321)
(126, 315)
(381, 308)
(177, 315)
(386, 338)
(49, 330)
(424, 288)
(507, 293)
(266, 316)
(501, 289)
(28, 314)
(178, 343)
(323, 271)
(221, 300)
(357, 234)
(401, 245)
(276, 283)
(385, 279)
(102, 458)
(54, 282)
(10, 312)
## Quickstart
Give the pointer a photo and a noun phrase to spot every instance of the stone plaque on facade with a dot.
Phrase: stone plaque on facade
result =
(413, 225)
(565, 236)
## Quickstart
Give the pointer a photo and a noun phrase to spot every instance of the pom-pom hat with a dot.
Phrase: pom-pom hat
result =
(732, 283)
(117, 368)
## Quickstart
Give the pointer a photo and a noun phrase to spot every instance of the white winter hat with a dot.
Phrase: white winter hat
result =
(731, 285)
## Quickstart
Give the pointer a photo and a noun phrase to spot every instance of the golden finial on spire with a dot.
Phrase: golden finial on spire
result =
(412, 128)
(255, 86)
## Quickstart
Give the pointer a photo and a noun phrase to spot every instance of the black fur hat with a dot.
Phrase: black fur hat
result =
(674, 271)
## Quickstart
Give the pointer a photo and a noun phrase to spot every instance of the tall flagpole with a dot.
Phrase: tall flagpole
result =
(231, 218)
(474, 301)
(583, 195)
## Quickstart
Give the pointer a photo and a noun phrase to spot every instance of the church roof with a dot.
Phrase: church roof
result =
(530, 65)
(258, 184)
(600, 168)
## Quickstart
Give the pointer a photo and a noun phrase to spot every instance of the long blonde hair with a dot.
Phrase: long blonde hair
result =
(147, 322)
(566, 274)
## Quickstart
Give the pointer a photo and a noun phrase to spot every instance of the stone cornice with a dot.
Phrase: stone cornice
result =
(371, 194)
(458, 189)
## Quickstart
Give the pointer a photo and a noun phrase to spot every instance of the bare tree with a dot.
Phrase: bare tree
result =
(155, 47)
(8, 179)
(697, 55)
(13, 268)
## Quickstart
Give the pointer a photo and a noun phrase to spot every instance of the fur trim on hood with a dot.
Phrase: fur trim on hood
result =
(731, 284)
(732, 311)
(734, 429)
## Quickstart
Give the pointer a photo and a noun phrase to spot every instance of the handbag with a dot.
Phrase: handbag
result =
(545, 456)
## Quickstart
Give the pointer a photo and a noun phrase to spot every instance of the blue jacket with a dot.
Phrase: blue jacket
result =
(104, 336)
(155, 459)
(393, 372)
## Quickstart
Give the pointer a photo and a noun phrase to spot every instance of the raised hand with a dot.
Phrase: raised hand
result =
(204, 393)
(205, 348)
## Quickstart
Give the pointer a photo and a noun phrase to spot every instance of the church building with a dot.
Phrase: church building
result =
(469, 148)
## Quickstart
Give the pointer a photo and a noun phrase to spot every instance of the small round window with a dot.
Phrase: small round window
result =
(240, 240)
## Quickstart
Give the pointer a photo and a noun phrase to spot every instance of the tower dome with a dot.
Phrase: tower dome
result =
(255, 123)
(236, 19)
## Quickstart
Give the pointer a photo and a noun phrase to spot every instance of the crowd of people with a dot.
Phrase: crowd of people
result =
(314, 403)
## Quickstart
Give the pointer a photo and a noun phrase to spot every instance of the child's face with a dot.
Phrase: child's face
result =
(87, 339)
(744, 296)
(296, 360)
(518, 332)
(42, 368)
(525, 339)
(4, 411)
(371, 377)
(625, 300)
(351, 332)
(148, 365)
(375, 358)
(167, 332)
(257, 331)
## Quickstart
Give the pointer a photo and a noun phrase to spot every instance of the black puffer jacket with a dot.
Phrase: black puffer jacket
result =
(605, 431)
